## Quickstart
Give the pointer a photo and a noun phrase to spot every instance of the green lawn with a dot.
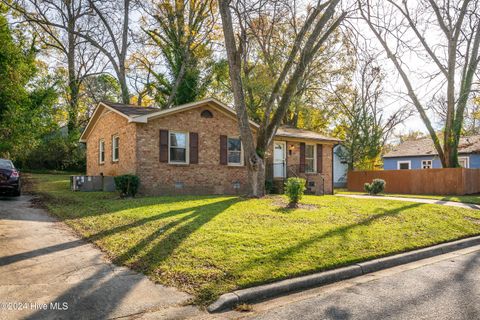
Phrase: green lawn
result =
(475, 198)
(209, 245)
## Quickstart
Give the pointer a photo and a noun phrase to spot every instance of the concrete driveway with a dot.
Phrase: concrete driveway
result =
(47, 272)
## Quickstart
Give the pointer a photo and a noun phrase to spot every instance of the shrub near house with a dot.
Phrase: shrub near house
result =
(195, 149)
(294, 189)
(127, 185)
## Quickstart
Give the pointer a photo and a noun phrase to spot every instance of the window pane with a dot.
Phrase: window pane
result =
(426, 164)
(178, 140)
(234, 144)
(309, 151)
(404, 166)
(178, 154)
(234, 157)
(115, 154)
(102, 151)
(309, 165)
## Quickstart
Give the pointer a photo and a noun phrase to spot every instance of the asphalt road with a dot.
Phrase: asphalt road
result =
(444, 287)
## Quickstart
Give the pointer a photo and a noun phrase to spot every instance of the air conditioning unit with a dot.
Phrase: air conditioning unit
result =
(92, 183)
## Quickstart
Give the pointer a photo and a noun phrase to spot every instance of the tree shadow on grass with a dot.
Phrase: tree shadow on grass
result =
(201, 213)
(284, 254)
(188, 224)
(91, 205)
(89, 298)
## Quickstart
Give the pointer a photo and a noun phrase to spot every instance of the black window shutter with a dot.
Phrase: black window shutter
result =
(223, 150)
(163, 145)
(302, 157)
(193, 147)
(320, 158)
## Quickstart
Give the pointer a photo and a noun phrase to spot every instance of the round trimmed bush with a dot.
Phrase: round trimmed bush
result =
(377, 186)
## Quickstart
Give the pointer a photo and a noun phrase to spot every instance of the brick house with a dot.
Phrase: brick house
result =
(195, 149)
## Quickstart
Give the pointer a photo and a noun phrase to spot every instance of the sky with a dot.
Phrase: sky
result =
(395, 90)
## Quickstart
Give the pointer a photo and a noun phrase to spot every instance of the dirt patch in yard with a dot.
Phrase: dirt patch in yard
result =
(282, 204)
(474, 220)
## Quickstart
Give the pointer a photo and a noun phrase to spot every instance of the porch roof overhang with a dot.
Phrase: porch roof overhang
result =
(295, 134)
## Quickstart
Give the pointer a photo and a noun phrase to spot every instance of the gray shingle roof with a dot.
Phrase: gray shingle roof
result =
(291, 132)
(283, 131)
(131, 110)
(424, 147)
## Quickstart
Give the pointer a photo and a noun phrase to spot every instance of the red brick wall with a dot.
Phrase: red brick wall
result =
(108, 125)
(139, 154)
(206, 177)
(293, 162)
(328, 167)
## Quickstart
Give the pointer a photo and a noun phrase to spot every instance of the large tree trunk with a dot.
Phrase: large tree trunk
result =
(450, 152)
(72, 123)
(123, 85)
(255, 163)
(123, 53)
(73, 84)
(256, 178)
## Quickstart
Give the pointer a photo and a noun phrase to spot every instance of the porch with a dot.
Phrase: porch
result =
(278, 173)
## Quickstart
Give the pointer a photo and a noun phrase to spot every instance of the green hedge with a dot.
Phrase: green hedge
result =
(127, 185)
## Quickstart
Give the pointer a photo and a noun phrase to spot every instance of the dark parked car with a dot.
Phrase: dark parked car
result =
(9, 179)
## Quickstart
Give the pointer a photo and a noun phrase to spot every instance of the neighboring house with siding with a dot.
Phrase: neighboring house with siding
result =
(196, 149)
(421, 154)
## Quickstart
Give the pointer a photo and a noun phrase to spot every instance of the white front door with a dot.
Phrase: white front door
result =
(279, 159)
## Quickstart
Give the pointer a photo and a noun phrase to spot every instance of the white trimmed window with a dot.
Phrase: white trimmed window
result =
(404, 165)
(427, 164)
(234, 151)
(101, 151)
(115, 148)
(464, 162)
(177, 147)
(310, 158)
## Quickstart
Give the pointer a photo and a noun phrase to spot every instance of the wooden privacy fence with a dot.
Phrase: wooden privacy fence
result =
(455, 181)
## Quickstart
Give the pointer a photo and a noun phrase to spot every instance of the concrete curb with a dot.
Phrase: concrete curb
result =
(263, 292)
